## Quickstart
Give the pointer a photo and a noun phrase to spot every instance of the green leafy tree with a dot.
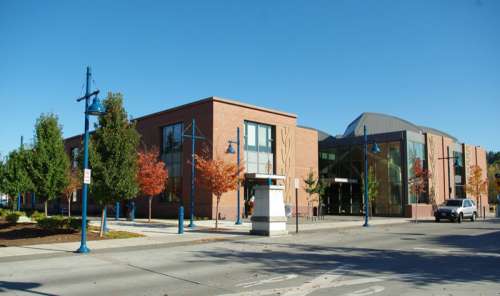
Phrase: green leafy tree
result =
(493, 157)
(373, 185)
(2, 178)
(49, 161)
(113, 156)
(493, 183)
(16, 175)
(310, 188)
(320, 189)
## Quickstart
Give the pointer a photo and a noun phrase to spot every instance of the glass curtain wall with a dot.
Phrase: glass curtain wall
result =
(415, 151)
(172, 156)
(347, 163)
(259, 148)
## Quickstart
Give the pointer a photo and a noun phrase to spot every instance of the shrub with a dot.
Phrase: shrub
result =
(59, 222)
(76, 223)
(12, 217)
(3, 212)
(35, 216)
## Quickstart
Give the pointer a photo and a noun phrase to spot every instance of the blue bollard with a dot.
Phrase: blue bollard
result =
(181, 220)
(117, 210)
(19, 201)
(105, 223)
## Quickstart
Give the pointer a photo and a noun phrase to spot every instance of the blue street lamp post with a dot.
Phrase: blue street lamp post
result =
(19, 193)
(375, 149)
(193, 138)
(230, 150)
(117, 210)
(94, 109)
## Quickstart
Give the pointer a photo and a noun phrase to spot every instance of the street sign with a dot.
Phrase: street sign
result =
(297, 183)
(86, 176)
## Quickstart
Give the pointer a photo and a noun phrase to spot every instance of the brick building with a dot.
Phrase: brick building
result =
(401, 142)
(271, 144)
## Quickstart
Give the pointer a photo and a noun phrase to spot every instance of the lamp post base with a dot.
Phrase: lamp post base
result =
(238, 222)
(83, 249)
(366, 225)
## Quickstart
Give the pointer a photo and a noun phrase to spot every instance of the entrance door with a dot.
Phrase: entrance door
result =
(344, 198)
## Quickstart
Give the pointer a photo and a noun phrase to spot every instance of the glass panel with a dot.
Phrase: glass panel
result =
(259, 154)
(415, 151)
(172, 156)
(262, 136)
(458, 164)
(251, 135)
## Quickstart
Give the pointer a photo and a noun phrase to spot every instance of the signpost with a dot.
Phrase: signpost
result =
(297, 185)
(86, 176)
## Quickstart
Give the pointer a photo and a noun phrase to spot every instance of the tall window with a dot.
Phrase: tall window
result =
(172, 156)
(74, 157)
(415, 151)
(259, 148)
(458, 163)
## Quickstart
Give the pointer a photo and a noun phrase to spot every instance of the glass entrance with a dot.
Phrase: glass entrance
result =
(344, 199)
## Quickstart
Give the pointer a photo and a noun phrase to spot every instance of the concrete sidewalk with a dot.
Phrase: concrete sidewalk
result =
(164, 232)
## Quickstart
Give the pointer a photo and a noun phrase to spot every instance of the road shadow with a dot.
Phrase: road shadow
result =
(421, 268)
(27, 287)
(481, 243)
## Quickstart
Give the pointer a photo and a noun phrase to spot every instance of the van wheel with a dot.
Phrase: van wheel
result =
(460, 218)
(473, 217)
(437, 219)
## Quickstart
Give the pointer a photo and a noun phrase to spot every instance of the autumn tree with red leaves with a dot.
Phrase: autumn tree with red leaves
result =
(152, 175)
(218, 177)
(419, 182)
(476, 185)
(420, 179)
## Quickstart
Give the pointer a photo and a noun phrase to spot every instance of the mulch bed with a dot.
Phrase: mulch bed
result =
(23, 234)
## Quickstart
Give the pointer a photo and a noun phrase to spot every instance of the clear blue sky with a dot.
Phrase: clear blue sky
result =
(435, 63)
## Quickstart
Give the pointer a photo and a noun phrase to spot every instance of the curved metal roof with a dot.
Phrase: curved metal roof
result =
(378, 123)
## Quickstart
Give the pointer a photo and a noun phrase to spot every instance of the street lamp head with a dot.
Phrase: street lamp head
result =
(230, 149)
(96, 107)
(375, 148)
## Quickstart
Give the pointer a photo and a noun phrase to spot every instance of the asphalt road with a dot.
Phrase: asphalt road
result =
(409, 259)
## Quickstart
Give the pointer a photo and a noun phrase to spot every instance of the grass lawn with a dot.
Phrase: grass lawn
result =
(23, 234)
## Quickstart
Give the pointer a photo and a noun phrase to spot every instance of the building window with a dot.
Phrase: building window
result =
(172, 156)
(415, 151)
(458, 163)
(259, 148)
(74, 157)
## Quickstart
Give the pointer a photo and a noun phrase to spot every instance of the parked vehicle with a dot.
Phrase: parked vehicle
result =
(457, 210)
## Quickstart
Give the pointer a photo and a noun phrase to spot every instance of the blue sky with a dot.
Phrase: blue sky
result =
(435, 63)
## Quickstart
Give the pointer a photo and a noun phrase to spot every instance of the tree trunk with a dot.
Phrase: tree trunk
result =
(46, 208)
(101, 230)
(150, 200)
(217, 214)
(69, 207)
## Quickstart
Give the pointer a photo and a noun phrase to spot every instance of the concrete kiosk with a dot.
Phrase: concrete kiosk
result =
(269, 212)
